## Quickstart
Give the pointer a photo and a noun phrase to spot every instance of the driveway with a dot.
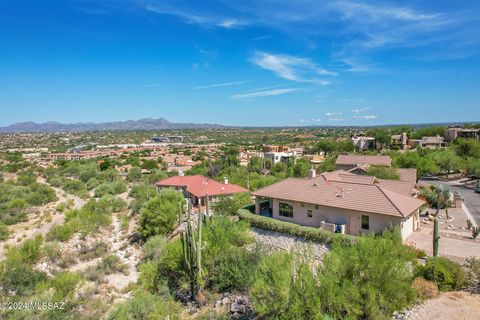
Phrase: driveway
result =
(470, 199)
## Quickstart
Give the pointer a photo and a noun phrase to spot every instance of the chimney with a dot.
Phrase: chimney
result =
(311, 173)
(225, 180)
(180, 173)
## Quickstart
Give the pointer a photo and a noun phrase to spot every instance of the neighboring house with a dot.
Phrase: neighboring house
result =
(427, 142)
(197, 187)
(400, 140)
(342, 201)
(278, 154)
(347, 162)
(453, 133)
(364, 143)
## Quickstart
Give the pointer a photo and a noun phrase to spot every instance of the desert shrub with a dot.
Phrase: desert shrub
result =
(110, 188)
(17, 277)
(154, 246)
(63, 232)
(4, 232)
(308, 233)
(64, 284)
(98, 249)
(159, 215)
(447, 274)
(424, 289)
(171, 266)
(51, 251)
(76, 187)
(229, 205)
(61, 206)
(92, 183)
(112, 264)
(473, 274)
(368, 280)
(144, 305)
(26, 178)
(31, 250)
(233, 270)
(141, 194)
(285, 288)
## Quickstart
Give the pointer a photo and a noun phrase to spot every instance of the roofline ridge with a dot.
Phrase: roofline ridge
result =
(386, 195)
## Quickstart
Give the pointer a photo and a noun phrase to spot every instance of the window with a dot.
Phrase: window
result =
(285, 209)
(365, 222)
(309, 213)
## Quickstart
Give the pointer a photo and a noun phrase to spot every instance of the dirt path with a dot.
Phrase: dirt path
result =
(29, 229)
(129, 255)
(447, 306)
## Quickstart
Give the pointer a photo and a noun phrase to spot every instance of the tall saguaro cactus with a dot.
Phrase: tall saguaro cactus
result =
(192, 250)
(435, 236)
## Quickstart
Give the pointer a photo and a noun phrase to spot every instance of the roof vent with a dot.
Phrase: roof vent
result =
(315, 184)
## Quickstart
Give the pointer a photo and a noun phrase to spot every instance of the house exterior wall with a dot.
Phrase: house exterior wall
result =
(351, 218)
(407, 227)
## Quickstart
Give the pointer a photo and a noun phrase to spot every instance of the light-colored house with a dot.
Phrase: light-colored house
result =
(453, 133)
(343, 202)
(364, 143)
(277, 154)
(197, 187)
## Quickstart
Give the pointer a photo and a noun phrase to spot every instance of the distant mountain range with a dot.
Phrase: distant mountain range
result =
(142, 124)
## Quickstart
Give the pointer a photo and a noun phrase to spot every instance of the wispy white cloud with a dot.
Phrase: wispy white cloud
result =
(191, 16)
(154, 85)
(360, 110)
(332, 114)
(221, 84)
(231, 23)
(292, 68)
(303, 120)
(266, 93)
(366, 117)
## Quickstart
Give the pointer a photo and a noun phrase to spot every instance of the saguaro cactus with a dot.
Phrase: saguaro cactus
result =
(435, 236)
(192, 251)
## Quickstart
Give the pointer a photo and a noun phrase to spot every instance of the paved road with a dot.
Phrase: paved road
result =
(470, 198)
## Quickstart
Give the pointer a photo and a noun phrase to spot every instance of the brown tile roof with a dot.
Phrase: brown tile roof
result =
(407, 174)
(363, 160)
(358, 193)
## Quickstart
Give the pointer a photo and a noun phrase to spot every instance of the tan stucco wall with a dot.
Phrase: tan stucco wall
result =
(351, 218)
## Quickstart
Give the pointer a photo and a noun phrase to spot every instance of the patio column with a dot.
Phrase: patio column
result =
(257, 205)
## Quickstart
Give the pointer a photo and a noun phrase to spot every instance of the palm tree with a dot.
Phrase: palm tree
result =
(438, 198)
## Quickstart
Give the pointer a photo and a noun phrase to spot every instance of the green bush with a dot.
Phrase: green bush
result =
(4, 232)
(447, 274)
(285, 288)
(159, 215)
(308, 233)
(144, 305)
(154, 246)
(229, 205)
(63, 232)
(368, 280)
(473, 274)
(233, 270)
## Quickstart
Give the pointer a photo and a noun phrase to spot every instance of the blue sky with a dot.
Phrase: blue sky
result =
(251, 62)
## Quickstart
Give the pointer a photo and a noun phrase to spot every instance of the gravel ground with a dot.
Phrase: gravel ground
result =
(274, 240)
(456, 305)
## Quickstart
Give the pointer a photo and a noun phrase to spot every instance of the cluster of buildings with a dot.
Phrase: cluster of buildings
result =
(403, 142)
(346, 200)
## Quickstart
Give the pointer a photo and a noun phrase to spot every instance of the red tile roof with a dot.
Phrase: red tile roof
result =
(199, 186)
(347, 191)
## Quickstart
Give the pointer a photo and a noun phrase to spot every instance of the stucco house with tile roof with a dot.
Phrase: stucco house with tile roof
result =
(342, 201)
(197, 187)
